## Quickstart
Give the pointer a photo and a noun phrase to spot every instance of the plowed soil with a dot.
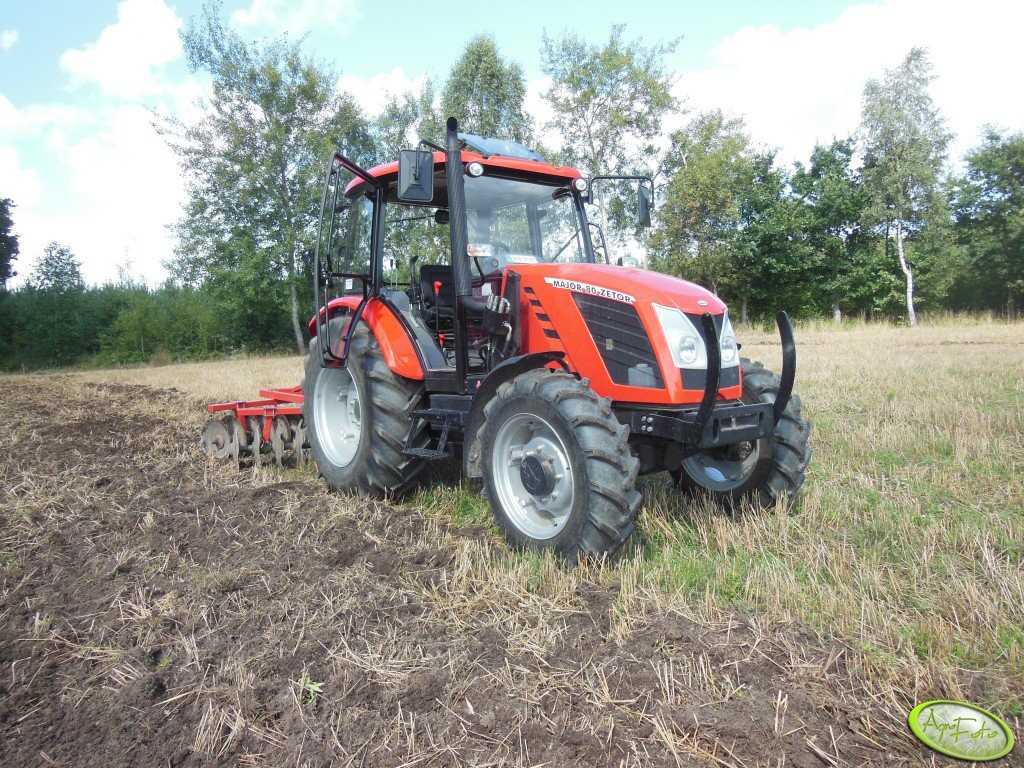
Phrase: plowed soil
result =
(159, 609)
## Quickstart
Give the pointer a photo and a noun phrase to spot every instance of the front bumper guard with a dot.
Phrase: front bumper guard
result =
(716, 424)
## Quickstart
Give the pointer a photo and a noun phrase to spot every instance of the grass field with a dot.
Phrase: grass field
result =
(898, 577)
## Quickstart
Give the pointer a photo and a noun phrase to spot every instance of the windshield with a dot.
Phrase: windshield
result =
(524, 222)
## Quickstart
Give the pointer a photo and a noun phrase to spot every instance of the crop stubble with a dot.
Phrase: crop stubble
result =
(160, 609)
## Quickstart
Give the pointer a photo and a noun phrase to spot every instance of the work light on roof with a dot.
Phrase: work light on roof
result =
(475, 169)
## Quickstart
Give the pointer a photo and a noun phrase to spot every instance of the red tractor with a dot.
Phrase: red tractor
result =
(463, 309)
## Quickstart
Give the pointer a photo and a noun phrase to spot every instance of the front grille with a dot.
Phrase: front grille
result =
(699, 324)
(621, 339)
(729, 377)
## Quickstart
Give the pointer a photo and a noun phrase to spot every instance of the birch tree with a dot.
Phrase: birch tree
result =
(904, 140)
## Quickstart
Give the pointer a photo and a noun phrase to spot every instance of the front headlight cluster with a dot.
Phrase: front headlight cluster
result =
(686, 343)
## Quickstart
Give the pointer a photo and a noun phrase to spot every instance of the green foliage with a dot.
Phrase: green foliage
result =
(905, 141)
(57, 270)
(8, 242)
(309, 689)
(486, 94)
(608, 100)
(253, 167)
(404, 121)
(846, 262)
(708, 168)
(989, 210)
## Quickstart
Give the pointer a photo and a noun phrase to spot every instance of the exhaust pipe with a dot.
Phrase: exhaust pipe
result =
(459, 236)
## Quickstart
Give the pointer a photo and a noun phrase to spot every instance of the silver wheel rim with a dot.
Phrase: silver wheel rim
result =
(539, 516)
(720, 473)
(337, 416)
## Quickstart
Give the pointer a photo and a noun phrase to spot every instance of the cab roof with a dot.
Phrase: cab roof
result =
(500, 165)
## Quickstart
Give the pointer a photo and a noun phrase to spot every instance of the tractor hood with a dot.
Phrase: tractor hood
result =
(635, 335)
(625, 284)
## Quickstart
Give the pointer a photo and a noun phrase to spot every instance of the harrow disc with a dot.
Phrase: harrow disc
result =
(298, 441)
(256, 439)
(234, 429)
(280, 439)
(217, 439)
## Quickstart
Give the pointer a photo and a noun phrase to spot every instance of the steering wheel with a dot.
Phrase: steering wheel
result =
(497, 260)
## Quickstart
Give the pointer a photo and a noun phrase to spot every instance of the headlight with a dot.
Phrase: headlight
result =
(688, 350)
(730, 352)
(687, 344)
(684, 342)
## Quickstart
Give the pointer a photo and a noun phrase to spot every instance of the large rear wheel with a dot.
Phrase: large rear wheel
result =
(758, 471)
(359, 420)
(557, 467)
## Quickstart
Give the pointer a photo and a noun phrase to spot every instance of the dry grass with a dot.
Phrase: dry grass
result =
(907, 541)
(766, 639)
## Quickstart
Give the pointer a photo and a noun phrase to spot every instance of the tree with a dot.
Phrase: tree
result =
(608, 103)
(904, 140)
(708, 167)
(57, 270)
(847, 273)
(486, 94)
(774, 262)
(608, 100)
(253, 167)
(8, 243)
(403, 122)
(990, 220)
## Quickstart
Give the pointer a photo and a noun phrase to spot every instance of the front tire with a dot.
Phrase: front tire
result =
(759, 471)
(359, 420)
(557, 468)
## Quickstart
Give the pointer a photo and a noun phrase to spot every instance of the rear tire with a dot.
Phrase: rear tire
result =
(557, 468)
(760, 471)
(359, 420)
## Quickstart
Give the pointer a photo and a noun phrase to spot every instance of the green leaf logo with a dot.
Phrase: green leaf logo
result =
(960, 730)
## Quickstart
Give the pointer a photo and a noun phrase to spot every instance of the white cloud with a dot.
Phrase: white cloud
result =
(375, 93)
(297, 17)
(99, 178)
(798, 87)
(8, 39)
(538, 108)
(127, 59)
(119, 187)
(17, 183)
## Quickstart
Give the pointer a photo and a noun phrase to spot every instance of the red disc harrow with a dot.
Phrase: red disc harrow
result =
(271, 428)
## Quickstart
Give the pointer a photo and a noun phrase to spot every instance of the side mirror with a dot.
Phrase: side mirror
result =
(644, 202)
(415, 176)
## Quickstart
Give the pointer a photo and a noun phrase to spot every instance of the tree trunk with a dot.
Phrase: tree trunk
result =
(300, 342)
(837, 312)
(909, 273)
(743, 312)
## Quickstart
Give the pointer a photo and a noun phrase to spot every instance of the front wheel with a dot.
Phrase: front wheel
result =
(360, 419)
(758, 471)
(557, 468)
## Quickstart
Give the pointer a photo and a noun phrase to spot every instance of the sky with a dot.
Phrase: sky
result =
(81, 83)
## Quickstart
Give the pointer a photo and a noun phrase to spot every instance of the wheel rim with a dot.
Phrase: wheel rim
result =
(725, 469)
(337, 416)
(532, 476)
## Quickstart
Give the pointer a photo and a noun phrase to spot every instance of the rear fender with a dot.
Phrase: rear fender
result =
(506, 371)
(396, 347)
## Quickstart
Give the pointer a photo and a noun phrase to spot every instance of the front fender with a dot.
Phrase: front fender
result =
(396, 347)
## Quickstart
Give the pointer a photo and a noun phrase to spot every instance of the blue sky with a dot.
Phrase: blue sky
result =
(78, 81)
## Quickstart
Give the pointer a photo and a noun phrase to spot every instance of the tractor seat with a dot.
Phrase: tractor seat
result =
(445, 297)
